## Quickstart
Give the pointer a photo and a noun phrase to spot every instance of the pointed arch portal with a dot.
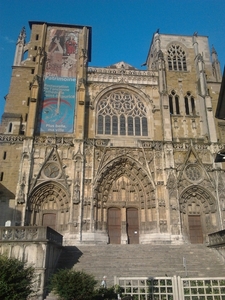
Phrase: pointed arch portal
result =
(49, 206)
(198, 213)
(123, 194)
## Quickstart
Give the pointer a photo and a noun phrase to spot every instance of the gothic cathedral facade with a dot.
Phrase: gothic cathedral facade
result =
(113, 155)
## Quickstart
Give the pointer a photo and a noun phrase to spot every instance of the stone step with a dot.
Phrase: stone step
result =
(143, 260)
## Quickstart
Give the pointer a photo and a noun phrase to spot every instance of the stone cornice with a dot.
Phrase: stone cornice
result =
(122, 76)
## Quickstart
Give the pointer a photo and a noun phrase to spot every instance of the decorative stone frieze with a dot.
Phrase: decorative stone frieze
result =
(11, 138)
(53, 140)
(122, 76)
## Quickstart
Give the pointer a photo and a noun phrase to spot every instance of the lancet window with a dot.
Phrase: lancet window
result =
(174, 103)
(176, 58)
(121, 113)
(189, 102)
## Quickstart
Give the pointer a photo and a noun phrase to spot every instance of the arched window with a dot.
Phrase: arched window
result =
(189, 102)
(174, 103)
(176, 58)
(122, 113)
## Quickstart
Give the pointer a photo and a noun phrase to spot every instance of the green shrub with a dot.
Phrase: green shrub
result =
(16, 280)
(73, 285)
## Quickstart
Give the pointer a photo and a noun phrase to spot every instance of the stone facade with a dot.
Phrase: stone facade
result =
(124, 155)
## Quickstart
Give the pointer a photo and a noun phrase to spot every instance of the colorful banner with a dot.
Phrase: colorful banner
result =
(59, 92)
(58, 105)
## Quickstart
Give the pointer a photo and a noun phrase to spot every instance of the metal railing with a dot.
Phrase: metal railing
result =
(172, 288)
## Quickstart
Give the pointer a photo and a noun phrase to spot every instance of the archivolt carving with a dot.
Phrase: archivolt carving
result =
(49, 195)
(105, 156)
(195, 199)
(124, 174)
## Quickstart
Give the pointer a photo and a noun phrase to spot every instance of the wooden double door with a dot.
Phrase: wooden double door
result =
(115, 225)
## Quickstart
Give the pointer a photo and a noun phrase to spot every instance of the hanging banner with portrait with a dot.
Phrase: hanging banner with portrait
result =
(59, 91)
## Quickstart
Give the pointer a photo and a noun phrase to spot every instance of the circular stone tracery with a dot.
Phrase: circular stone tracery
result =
(193, 173)
(115, 103)
(51, 170)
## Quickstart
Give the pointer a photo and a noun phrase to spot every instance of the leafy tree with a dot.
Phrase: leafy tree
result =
(73, 285)
(16, 280)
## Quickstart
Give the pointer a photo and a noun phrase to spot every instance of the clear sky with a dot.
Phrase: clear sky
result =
(122, 29)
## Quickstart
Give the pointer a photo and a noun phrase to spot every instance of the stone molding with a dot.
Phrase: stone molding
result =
(29, 233)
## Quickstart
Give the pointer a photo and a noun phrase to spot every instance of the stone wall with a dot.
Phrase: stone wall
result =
(39, 247)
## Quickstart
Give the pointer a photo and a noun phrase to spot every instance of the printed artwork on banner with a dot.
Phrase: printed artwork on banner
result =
(59, 91)
(58, 104)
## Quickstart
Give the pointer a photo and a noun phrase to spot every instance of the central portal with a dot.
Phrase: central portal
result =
(115, 225)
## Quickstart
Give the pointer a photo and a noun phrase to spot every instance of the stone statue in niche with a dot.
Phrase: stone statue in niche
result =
(21, 196)
(76, 195)
(173, 204)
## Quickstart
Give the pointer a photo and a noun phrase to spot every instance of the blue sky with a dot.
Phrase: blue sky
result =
(122, 29)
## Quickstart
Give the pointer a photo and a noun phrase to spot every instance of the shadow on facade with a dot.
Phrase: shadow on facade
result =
(8, 214)
(5, 193)
(69, 257)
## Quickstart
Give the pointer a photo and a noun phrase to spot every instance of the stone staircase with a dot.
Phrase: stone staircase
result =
(142, 261)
